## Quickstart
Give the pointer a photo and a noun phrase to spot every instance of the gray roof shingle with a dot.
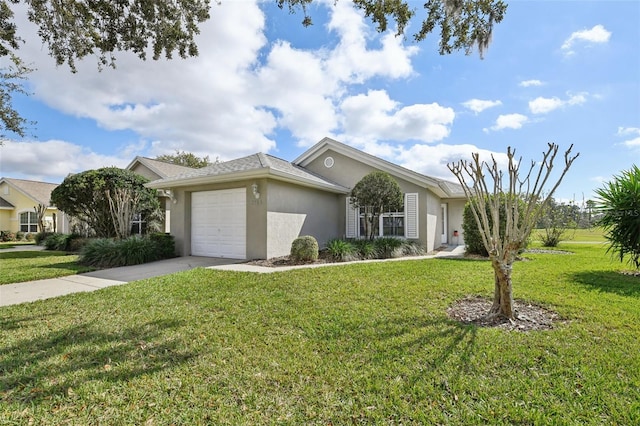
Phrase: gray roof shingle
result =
(40, 191)
(254, 162)
(163, 168)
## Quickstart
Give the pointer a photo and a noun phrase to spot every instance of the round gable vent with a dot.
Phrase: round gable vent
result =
(328, 162)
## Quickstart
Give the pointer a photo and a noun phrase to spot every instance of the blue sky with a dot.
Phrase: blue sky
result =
(556, 71)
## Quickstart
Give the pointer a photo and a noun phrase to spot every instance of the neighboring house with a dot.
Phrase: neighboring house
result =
(254, 207)
(18, 201)
(153, 170)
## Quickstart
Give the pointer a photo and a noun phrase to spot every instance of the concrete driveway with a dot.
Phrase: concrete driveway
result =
(30, 291)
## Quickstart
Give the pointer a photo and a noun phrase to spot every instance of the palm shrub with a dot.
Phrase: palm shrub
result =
(165, 245)
(388, 247)
(304, 249)
(619, 203)
(412, 248)
(366, 249)
(110, 253)
(55, 242)
(64, 242)
(341, 250)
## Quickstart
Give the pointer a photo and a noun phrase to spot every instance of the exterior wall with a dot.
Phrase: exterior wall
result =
(434, 225)
(5, 219)
(256, 217)
(10, 218)
(144, 171)
(456, 209)
(165, 202)
(293, 211)
(347, 172)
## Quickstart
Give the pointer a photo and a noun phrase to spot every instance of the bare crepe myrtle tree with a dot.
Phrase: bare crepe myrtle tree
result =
(484, 186)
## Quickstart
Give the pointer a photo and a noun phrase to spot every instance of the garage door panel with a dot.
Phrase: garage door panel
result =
(218, 223)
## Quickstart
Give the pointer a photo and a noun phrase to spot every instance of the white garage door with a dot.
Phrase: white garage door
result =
(219, 224)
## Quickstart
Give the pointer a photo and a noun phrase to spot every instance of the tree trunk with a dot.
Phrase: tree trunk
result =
(502, 295)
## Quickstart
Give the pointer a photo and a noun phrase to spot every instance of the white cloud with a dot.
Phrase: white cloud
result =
(240, 90)
(530, 83)
(432, 160)
(543, 105)
(634, 142)
(479, 105)
(376, 116)
(25, 160)
(508, 121)
(628, 131)
(597, 34)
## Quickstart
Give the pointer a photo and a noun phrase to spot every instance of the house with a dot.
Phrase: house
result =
(254, 207)
(18, 201)
(153, 170)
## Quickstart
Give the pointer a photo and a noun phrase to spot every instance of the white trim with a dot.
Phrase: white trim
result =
(378, 163)
(444, 208)
(411, 216)
(352, 219)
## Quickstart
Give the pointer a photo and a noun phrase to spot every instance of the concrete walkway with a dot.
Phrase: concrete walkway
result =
(31, 291)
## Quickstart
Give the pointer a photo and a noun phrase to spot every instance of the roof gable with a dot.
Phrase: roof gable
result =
(252, 166)
(161, 168)
(4, 204)
(40, 192)
(441, 187)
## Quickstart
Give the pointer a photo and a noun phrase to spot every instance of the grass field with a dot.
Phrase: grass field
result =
(19, 266)
(363, 344)
(591, 235)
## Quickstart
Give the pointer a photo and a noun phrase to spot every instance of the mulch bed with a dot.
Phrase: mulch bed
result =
(530, 317)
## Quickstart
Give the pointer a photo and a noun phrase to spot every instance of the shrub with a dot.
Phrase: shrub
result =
(109, 253)
(388, 247)
(412, 248)
(30, 236)
(20, 236)
(64, 242)
(41, 236)
(7, 236)
(551, 237)
(76, 243)
(55, 242)
(365, 249)
(341, 250)
(165, 245)
(304, 249)
(472, 237)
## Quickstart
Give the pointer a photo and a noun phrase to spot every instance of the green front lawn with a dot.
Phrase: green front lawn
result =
(363, 344)
(12, 244)
(20, 266)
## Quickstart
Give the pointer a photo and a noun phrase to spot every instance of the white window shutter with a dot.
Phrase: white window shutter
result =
(411, 215)
(352, 220)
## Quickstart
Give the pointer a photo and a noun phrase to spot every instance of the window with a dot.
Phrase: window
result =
(390, 224)
(402, 223)
(138, 225)
(28, 222)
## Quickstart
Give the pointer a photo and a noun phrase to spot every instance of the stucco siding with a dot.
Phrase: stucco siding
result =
(434, 227)
(10, 218)
(293, 211)
(144, 171)
(347, 172)
(456, 209)
(256, 217)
